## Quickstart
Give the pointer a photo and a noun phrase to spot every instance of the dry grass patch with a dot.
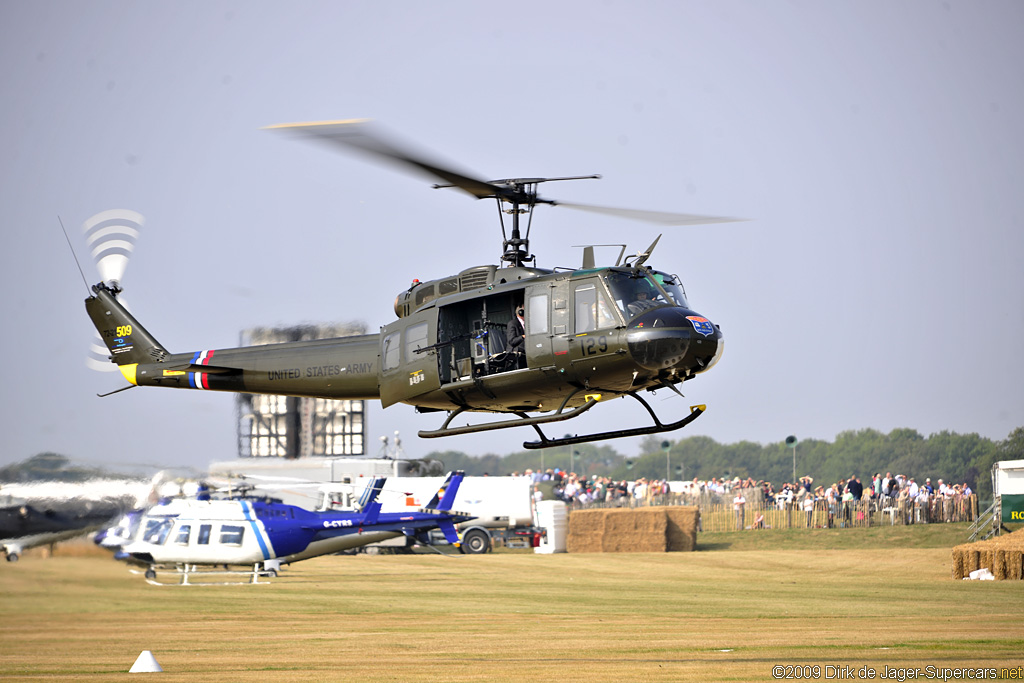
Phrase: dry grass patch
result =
(510, 616)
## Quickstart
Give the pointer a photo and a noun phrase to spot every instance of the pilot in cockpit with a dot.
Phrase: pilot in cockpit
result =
(643, 301)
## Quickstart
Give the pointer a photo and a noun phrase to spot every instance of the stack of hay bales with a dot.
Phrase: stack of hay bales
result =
(1002, 555)
(645, 530)
(681, 532)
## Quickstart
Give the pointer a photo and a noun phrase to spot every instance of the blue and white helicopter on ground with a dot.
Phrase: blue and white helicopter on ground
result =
(193, 537)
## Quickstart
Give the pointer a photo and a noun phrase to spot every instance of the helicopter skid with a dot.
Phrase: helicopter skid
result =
(657, 428)
(197, 575)
(523, 420)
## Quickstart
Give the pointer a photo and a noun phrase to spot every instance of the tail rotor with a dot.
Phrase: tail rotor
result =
(110, 236)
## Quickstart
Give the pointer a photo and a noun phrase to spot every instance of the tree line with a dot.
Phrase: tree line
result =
(955, 458)
(49, 467)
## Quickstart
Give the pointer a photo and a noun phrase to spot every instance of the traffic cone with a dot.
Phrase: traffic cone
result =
(146, 663)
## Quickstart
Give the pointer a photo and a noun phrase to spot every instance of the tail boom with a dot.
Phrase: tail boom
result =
(341, 368)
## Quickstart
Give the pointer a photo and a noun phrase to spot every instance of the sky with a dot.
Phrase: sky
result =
(874, 148)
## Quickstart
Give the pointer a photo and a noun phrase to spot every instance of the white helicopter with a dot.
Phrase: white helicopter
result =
(192, 537)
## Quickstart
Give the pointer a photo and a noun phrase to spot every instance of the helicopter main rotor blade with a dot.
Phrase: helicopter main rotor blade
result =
(662, 217)
(360, 135)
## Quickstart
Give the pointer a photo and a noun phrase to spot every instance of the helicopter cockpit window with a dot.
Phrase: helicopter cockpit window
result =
(415, 338)
(156, 531)
(592, 311)
(231, 534)
(634, 294)
(672, 285)
(390, 351)
(424, 294)
(184, 532)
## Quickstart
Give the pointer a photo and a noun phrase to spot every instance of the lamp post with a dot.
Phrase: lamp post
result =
(791, 441)
(667, 447)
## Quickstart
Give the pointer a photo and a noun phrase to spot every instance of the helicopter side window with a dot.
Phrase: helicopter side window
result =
(415, 338)
(537, 315)
(389, 351)
(231, 534)
(184, 532)
(156, 531)
(592, 311)
(204, 534)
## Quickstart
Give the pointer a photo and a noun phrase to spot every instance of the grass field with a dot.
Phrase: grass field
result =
(743, 603)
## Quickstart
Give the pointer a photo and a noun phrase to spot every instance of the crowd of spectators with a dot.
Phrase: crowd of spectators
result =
(847, 502)
(599, 491)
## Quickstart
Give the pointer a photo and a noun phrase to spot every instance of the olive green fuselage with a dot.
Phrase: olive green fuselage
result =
(451, 348)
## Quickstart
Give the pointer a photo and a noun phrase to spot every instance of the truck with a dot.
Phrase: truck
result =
(502, 507)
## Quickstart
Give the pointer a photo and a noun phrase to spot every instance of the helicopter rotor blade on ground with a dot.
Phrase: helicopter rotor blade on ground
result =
(360, 135)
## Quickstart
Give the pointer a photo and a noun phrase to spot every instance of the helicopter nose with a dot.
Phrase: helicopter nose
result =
(674, 339)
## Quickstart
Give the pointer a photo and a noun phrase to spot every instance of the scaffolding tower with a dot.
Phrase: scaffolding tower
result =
(293, 427)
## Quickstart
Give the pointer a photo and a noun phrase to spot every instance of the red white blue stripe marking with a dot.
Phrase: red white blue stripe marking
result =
(200, 380)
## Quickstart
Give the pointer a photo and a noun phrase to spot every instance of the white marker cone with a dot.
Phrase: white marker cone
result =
(146, 663)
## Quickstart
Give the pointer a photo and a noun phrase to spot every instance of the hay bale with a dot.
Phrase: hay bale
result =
(580, 543)
(958, 563)
(985, 558)
(586, 521)
(586, 531)
(645, 530)
(681, 530)
(1015, 565)
(635, 531)
(973, 560)
(1002, 555)
(999, 562)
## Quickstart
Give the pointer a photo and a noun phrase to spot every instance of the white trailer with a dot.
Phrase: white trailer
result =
(1008, 488)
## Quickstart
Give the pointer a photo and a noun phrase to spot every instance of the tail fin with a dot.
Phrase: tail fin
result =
(128, 342)
(372, 490)
(445, 496)
(368, 502)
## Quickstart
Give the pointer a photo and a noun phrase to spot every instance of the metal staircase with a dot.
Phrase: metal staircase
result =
(988, 523)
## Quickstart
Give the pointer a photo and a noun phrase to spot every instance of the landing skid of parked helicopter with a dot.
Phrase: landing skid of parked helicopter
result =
(198, 575)
(525, 420)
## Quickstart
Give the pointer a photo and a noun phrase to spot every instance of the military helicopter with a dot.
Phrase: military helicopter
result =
(585, 335)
